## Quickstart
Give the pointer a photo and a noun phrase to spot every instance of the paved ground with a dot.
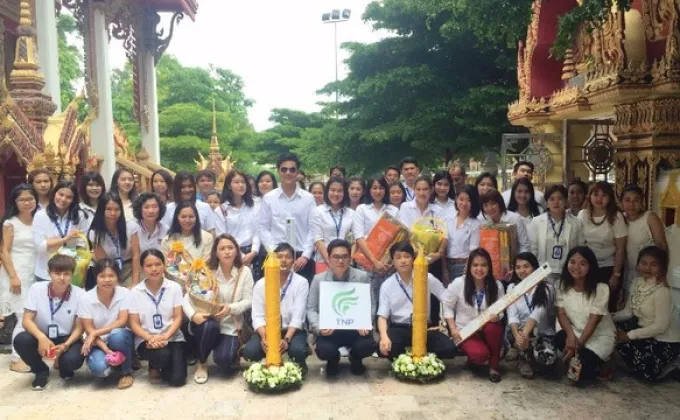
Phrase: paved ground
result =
(462, 395)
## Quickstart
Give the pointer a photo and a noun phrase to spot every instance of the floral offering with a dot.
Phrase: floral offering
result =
(272, 379)
(418, 369)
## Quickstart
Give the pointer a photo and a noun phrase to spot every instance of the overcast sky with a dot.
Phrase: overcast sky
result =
(281, 49)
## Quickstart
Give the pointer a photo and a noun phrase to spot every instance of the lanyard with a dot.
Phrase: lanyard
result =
(403, 289)
(338, 225)
(552, 224)
(409, 194)
(54, 310)
(116, 243)
(530, 306)
(479, 298)
(62, 233)
(153, 299)
(285, 286)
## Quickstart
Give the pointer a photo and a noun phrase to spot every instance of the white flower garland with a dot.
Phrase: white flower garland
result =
(262, 378)
(421, 369)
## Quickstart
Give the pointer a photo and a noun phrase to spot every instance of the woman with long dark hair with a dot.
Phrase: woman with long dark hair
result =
(523, 200)
(486, 182)
(588, 335)
(355, 191)
(463, 232)
(162, 184)
(469, 296)
(442, 194)
(184, 190)
(530, 333)
(18, 260)
(148, 230)
(332, 220)
(92, 187)
(124, 186)
(41, 180)
(186, 228)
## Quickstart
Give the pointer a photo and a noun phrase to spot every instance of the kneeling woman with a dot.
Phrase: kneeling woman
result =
(471, 295)
(648, 338)
(529, 330)
(219, 333)
(51, 327)
(155, 307)
(588, 335)
(108, 346)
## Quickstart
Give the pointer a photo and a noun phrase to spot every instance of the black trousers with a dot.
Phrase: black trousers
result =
(437, 343)
(170, 360)
(27, 347)
(298, 350)
(309, 270)
(360, 346)
(603, 276)
(436, 270)
(209, 339)
(191, 349)
(590, 362)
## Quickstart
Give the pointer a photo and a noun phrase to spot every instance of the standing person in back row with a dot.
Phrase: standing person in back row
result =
(409, 171)
(286, 215)
(458, 176)
(523, 169)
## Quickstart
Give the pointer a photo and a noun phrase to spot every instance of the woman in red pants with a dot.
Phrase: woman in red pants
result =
(470, 296)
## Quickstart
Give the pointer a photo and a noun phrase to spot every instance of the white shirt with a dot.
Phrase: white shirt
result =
(539, 197)
(101, 316)
(463, 238)
(543, 237)
(111, 248)
(409, 213)
(293, 305)
(205, 215)
(64, 318)
(139, 303)
(366, 216)
(44, 228)
(200, 251)
(447, 210)
(396, 303)
(277, 209)
(410, 194)
(328, 225)
(521, 310)
(241, 223)
(458, 308)
(149, 240)
(512, 218)
(601, 238)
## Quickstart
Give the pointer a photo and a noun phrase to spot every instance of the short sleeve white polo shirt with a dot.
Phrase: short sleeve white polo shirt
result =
(65, 313)
(140, 302)
(101, 316)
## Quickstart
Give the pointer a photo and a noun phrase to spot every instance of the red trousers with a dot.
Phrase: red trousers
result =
(485, 345)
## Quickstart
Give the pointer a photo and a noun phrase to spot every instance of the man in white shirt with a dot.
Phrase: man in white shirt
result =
(524, 169)
(286, 215)
(409, 172)
(294, 292)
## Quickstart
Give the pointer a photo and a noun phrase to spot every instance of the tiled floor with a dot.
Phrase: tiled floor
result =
(462, 395)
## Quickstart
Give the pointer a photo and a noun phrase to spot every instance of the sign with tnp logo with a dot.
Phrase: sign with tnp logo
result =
(344, 306)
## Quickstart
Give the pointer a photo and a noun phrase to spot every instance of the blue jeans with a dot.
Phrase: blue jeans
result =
(121, 340)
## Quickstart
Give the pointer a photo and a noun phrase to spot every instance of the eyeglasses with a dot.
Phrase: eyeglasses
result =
(340, 257)
(286, 169)
(26, 200)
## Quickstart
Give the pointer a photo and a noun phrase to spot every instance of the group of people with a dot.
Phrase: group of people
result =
(607, 289)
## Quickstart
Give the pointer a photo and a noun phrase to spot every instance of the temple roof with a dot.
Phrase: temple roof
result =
(189, 7)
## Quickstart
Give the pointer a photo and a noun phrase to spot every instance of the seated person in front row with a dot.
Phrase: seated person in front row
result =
(52, 329)
(395, 308)
(294, 292)
(328, 342)
(109, 344)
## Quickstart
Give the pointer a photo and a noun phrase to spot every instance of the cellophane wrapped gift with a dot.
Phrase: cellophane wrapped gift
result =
(178, 263)
(203, 288)
(500, 241)
(386, 232)
(427, 233)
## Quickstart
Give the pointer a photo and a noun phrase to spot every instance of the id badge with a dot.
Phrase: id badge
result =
(52, 331)
(557, 252)
(157, 321)
(119, 263)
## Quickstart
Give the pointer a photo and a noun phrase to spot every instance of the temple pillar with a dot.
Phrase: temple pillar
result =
(102, 128)
(149, 98)
(48, 52)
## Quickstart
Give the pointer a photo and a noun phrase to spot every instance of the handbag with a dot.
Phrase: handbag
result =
(244, 326)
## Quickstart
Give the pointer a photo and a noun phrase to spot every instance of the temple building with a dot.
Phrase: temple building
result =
(36, 130)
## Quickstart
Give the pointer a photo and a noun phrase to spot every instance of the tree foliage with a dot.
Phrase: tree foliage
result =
(70, 57)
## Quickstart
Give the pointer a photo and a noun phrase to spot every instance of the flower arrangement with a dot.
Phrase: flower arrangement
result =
(202, 288)
(272, 379)
(178, 263)
(418, 369)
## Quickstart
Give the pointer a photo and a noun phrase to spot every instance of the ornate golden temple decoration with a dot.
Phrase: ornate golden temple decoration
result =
(669, 202)
(221, 167)
(533, 106)
(657, 15)
(525, 53)
(652, 116)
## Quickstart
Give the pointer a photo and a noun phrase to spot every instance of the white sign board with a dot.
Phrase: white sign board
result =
(344, 306)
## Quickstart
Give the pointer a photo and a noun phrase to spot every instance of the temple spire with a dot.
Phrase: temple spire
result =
(214, 142)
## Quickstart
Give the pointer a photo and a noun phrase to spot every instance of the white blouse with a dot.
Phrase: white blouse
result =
(463, 238)
(458, 308)
(140, 302)
(366, 216)
(543, 237)
(44, 228)
(328, 224)
(205, 215)
(409, 213)
(111, 247)
(241, 223)
(101, 316)
(149, 240)
(600, 236)
(522, 310)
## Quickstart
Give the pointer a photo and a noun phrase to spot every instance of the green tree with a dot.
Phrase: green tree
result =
(70, 57)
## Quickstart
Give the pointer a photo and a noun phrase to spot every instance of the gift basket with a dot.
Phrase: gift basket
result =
(203, 288)
(427, 233)
(386, 232)
(83, 256)
(178, 263)
(500, 241)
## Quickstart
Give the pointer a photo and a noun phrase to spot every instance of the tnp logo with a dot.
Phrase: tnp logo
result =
(344, 301)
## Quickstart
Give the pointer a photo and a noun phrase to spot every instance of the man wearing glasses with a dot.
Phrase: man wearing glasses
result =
(328, 342)
(286, 214)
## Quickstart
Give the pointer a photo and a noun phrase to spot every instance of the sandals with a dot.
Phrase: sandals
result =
(201, 375)
(125, 381)
(19, 366)
(494, 377)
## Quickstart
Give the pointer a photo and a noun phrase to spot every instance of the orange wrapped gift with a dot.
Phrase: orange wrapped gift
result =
(500, 241)
(386, 232)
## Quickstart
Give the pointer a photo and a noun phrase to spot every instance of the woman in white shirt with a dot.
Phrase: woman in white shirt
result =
(318, 190)
(148, 230)
(463, 232)
(587, 331)
(495, 212)
(218, 334)
(486, 182)
(523, 200)
(123, 185)
(555, 232)
(355, 191)
(61, 223)
(162, 184)
(576, 196)
(18, 260)
(110, 236)
(529, 331)
(92, 187)
(41, 180)
(155, 317)
(443, 195)
(186, 228)
(396, 194)
(332, 220)
(471, 295)
(184, 189)
(605, 232)
(648, 338)
(109, 345)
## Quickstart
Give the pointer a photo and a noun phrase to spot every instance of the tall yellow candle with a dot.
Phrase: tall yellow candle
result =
(272, 307)
(420, 297)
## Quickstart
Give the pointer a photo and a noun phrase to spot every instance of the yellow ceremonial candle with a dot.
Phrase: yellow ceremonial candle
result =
(272, 307)
(420, 297)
